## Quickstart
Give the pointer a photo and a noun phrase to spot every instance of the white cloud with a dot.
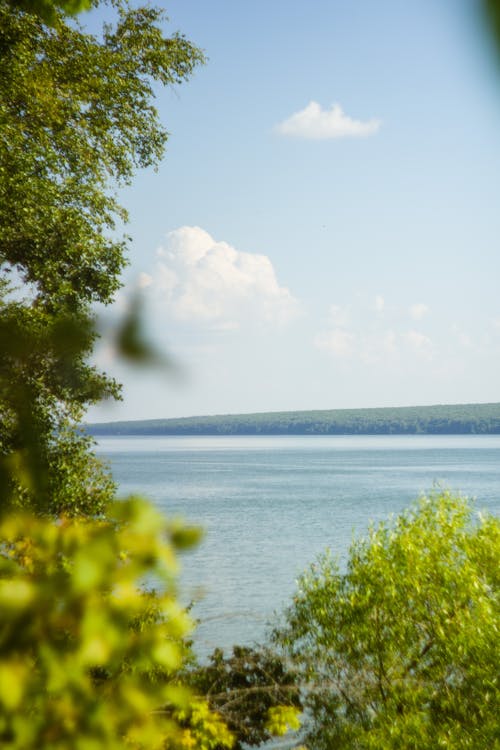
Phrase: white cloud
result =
(339, 316)
(461, 336)
(338, 341)
(418, 341)
(465, 340)
(418, 311)
(353, 331)
(144, 280)
(316, 123)
(368, 346)
(389, 342)
(202, 279)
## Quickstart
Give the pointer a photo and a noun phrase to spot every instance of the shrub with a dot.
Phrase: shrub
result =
(402, 650)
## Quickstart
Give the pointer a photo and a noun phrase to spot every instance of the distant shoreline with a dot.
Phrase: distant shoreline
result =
(440, 419)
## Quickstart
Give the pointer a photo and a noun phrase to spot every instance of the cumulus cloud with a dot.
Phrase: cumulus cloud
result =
(203, 279)
(314, 122)
(418, 311)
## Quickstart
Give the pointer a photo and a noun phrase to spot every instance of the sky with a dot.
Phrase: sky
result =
(323, 231)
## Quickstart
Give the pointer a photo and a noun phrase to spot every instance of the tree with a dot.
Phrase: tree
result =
(402, 650)
(77, 118)
(46, 463)
(87, 657)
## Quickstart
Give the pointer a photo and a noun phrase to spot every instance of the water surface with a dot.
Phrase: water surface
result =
(270, 505)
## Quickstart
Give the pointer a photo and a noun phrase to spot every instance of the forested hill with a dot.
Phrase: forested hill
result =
(456, 419)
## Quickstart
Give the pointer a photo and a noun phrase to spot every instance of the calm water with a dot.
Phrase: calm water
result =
(270, 505)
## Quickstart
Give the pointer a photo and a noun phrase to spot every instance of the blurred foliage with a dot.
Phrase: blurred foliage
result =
(87, 660)
(45, 462)
(492, 12)
(402, 651)
(129, 339)
(49, 10)
(253, 690)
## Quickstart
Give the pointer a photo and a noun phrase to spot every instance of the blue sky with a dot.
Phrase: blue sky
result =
(323, 231)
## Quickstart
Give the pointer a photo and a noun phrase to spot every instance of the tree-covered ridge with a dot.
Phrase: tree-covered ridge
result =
(449, 419)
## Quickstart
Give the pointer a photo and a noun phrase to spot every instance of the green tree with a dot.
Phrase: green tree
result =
(77, 118)
(46, 463)
(402, 650)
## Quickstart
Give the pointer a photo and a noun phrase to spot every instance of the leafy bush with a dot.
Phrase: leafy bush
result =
(402, 650)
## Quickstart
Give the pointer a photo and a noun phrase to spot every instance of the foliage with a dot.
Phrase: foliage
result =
(283, 719)
(79, 483)
(77, 118)
(253, 690)
(48, 10)
(88, 660)
(203, 729)
(492, 13)
(446, 419)
(402, 650)
(45, 463)
(76, 113)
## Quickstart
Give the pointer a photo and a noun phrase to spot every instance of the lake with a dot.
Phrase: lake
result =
(270, 505)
